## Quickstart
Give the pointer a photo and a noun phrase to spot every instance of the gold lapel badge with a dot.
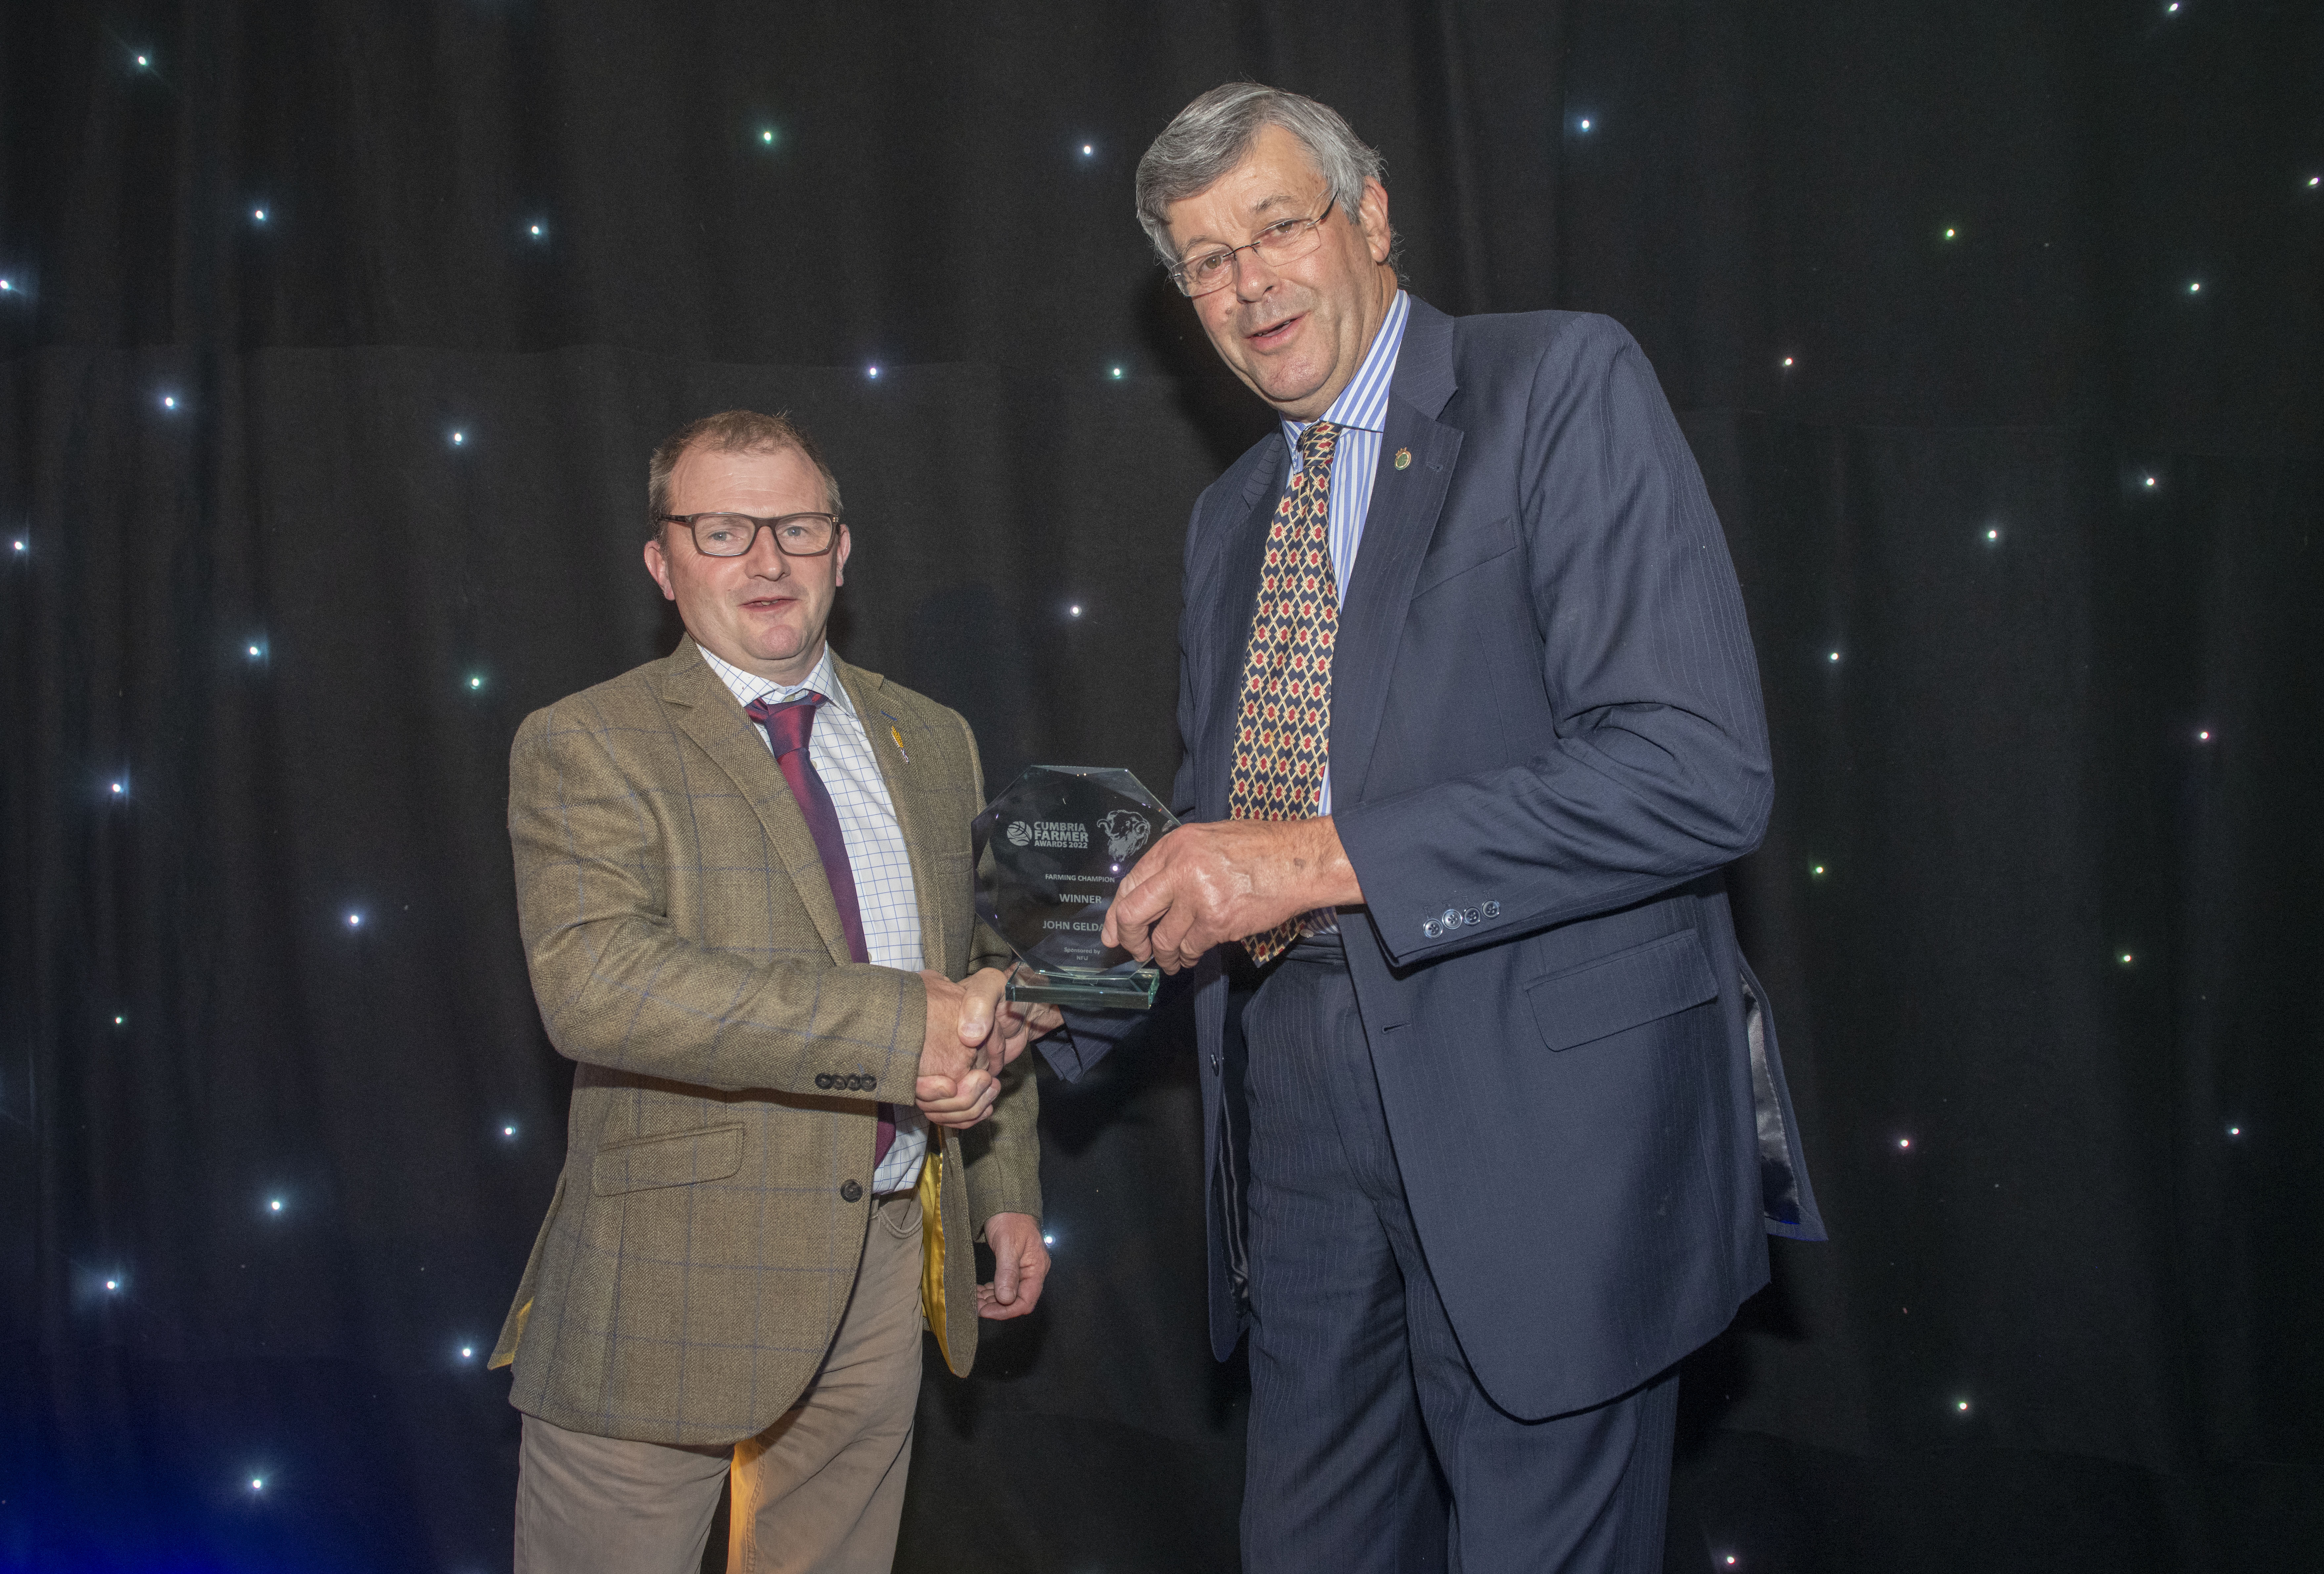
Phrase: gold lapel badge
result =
(897, 735)
(1403, 458)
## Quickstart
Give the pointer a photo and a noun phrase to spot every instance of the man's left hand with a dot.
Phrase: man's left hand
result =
(1221, 880)
(1021, 1264)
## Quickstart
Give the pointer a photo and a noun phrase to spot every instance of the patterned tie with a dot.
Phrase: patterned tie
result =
(1282, 732)
(788, 726)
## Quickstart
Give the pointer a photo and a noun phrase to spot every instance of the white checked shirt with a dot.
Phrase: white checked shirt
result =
(1361, 413)
(885, 898)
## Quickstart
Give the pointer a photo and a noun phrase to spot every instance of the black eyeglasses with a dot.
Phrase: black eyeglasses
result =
(724, 535)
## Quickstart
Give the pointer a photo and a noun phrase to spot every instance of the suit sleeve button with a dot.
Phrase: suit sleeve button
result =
(823, 1078)
(870, 1083)
(850, 1192)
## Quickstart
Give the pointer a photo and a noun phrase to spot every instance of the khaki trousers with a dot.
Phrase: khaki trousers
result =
(819, 1492)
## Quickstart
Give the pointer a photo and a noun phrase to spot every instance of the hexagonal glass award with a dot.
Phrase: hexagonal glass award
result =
(1049, 851)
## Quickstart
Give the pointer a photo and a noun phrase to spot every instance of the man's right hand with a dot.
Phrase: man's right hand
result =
(959, 1076)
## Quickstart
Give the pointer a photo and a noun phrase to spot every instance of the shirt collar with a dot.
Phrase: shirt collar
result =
(1363, 404)
(747, 686)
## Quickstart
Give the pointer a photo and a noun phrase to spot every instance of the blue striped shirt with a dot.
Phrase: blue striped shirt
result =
(1361, 411)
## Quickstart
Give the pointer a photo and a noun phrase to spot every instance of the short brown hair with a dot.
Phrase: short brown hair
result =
(730, 431)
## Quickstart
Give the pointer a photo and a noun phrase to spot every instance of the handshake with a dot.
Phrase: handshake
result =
(972, 1036)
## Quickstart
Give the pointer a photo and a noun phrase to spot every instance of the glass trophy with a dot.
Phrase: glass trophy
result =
(1049, 851)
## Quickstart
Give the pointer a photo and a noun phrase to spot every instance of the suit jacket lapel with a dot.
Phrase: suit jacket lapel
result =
(1397, 528)
(1396, 533)
(707, 712)
(904, 795)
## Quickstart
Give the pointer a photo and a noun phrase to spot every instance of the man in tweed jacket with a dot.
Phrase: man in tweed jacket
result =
(730, 1275)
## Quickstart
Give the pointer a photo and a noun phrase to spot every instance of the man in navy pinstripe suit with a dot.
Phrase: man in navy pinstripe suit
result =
(1497, 1126)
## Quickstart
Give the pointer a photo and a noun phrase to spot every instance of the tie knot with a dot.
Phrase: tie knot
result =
(1315, 444)
(788, 723)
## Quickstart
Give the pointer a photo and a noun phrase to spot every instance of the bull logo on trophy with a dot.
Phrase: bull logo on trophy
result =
(1125, 832)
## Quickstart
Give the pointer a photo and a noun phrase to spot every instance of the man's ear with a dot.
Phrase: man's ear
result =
(1371, 213)
(839, 557)
(659, 566)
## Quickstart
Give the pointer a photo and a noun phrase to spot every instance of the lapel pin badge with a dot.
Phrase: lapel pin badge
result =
(1403, 458)
(897, 735)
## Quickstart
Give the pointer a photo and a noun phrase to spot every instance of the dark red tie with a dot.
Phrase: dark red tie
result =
(788, 726)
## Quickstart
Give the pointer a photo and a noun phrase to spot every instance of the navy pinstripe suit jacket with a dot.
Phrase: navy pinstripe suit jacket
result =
(1546, 743)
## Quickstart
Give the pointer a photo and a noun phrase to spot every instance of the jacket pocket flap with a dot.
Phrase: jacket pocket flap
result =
(1640, 985)
(1449, 559)
(681, 1158)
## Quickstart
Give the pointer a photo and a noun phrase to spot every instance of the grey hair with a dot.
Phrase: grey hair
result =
(1213, 134)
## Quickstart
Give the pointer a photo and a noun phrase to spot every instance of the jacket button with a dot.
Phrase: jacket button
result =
(853, 1083)
(823, 1078)
(1432, 929)
(870, 1083)
(850, 1192)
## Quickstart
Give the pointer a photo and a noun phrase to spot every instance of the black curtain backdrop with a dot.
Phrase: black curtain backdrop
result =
(332, 341)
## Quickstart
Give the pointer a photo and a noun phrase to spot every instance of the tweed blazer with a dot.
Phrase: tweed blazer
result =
(686, 953)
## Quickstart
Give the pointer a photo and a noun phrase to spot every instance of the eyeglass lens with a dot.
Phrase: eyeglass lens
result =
(733, 535)
(1284, 242)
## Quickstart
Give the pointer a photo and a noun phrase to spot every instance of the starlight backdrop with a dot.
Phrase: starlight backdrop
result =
(335, 337)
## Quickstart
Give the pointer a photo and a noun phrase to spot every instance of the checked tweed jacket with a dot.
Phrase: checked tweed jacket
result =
(687, 954)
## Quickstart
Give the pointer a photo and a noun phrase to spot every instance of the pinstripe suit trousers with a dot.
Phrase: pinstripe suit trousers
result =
(1372, 1450)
